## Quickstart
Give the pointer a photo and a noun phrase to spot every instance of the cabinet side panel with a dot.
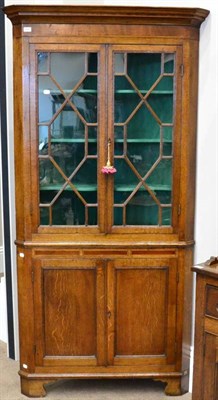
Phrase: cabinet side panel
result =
(188, 143)
(26, 310)
(18, 138)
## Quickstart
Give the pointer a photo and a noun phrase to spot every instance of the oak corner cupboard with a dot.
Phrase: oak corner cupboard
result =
(105, 133)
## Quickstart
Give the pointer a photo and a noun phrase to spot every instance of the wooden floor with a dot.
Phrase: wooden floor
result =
(82, 389)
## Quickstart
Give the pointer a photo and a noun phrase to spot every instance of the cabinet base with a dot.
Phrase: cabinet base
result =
(173, 387)
(35, 387)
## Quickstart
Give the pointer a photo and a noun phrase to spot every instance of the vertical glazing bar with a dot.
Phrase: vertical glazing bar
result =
(86, 63)
(86, 215)
(124, 215)
(50, 215)
(159, 215)
(161, 140)
(125, 63)
(86, 141)
(49, 140)
(125, 140)
(49, 63)
(162, 63)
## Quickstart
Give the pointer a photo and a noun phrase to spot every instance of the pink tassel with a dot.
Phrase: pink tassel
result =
(108, 170)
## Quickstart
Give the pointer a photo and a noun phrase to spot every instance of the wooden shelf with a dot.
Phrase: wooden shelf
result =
(93, 187)
(130, 188)
(79, 187)
(129, 91)
(142, 140)
(72, 140)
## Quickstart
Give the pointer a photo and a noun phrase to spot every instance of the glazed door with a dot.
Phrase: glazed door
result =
(68, 128)
(96, 106)
(69, 312)
(142, 311)
(144, 114)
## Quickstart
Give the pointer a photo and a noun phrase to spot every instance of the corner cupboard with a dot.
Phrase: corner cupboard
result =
(105, 132)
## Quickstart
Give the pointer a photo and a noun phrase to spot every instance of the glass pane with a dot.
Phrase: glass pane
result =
(48, 93)
(92, 62)
(125, 176)
(43, 62)
(142, 210)
(87, 173)
(163, 107)
(68, 210)
(44, 215)
(85, 99)
(67, 106)
(143, 156)
(144, 69)
(67, 69)
(118, 215)
(143, 125)
(169, 63)
(119, 63)
(126, 99)
(49, 175)
(161, 177)
(67, 156)
(166, 216)
(143, 134)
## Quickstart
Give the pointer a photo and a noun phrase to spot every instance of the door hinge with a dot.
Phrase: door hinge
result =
(179, 209)
(182, 70)
(34, 349)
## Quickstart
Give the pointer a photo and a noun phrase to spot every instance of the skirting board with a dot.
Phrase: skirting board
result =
(188, 352)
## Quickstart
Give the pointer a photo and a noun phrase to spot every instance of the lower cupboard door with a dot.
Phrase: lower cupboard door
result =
(142, 312)
(69, 299)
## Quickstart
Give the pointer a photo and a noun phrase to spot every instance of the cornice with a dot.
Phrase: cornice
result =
(173, 16)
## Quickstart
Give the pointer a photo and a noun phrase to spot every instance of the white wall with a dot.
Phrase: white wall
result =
(206, 225)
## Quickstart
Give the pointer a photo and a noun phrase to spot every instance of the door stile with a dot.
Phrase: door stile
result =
(111, 334)
(110, 135)
(177, 139)
(171, 342)
(101, 307)
(39, 320)
(102, 138)
(33, 138)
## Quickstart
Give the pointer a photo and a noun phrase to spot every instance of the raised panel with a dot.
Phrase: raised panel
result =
(69, 314)
(142, 311)
(69, 307)
(141, 306)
